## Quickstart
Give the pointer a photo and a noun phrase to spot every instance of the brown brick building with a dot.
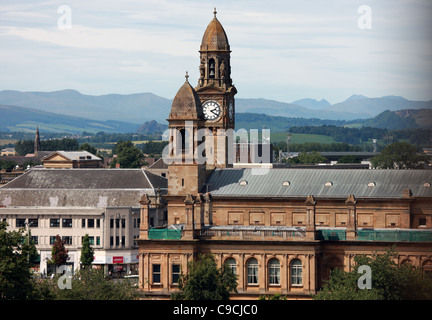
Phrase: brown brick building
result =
(280, 230)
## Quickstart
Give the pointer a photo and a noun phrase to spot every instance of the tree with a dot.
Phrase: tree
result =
(7, 165)
(87, 147)
(390, 281)
(93, 284)
(87, 252)
(128, 156)
(204, 281)
(59, 254)
(15, 276)
(310, 158)
(24, 147)
(29, 250)
(398, 155)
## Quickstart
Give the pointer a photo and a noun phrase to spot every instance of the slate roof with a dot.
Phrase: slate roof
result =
(303, 182)
(80, 188)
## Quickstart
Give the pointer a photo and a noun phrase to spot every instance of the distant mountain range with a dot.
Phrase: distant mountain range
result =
(71, 111)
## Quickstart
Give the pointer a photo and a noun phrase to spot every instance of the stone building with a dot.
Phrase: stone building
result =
(280, 230)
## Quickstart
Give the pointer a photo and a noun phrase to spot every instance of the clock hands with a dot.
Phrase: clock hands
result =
(216, 113)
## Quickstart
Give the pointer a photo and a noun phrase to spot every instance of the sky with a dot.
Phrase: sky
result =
(281, 50)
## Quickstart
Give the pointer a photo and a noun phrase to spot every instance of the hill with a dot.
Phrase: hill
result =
(141, 107)
(133, 108)
(16, 118)
(402, 119)
(374, 106)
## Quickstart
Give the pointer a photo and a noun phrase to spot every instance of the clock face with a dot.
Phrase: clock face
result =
(211, 110)
(231, 111)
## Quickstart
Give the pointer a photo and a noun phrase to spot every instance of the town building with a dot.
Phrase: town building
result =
(71, 159)
(280, 230)
(103, 203)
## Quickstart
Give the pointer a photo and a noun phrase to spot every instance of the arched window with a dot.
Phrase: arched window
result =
(274, 271)
(296, 273)
(232, 264)
(427, 268)
(252, 271)
(212, 69)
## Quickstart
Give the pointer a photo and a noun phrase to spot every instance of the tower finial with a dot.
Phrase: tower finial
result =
(187, 76)
(214, 12)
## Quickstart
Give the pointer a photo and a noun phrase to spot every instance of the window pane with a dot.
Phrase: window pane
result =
(67, 223)
(252, 271)
(34, 223)
(54, 223)
(90, 223)
(20, 223)
(274, 271)
(175, 273)
(296, 273)
(232, 264)
(156, 273)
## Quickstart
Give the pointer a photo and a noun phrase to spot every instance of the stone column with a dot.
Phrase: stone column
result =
(144, 216)
(310, 218)
(351, 231)
(208, 209)
(199, 217)
(189, 217)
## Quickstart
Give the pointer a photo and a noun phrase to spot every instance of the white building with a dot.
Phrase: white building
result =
(103, 203)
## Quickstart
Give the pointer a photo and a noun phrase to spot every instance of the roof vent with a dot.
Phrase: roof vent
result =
(286, 183)
(427, 184)
(371, 184)
(328, 184)
(243, 183)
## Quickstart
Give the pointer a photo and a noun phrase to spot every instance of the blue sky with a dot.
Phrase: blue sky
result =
(282, 50)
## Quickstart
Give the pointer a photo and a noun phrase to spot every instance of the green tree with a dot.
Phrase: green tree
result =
(7, 165)
(398, 155)
(29, 250)
(87, 147)
(87, 252)
(390, 281)
(310, 157)
(24, 147)
(59, 254)
(204, 281)
(93, 284)
(15, 276)
(128, 156)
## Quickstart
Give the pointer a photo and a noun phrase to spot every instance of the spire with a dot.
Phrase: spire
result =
(214, 12)
(187, 76)
(37, 146)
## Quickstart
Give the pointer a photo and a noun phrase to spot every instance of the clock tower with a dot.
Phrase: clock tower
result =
(216, 93)
(201, 117)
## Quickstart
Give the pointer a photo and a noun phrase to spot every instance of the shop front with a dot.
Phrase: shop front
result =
(118, 265)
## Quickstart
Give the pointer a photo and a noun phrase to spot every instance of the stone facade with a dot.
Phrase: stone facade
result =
(279, 230)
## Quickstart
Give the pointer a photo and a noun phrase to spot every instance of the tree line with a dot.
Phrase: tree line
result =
(357, 136)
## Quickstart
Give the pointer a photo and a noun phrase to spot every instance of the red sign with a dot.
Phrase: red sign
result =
(117, 259)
